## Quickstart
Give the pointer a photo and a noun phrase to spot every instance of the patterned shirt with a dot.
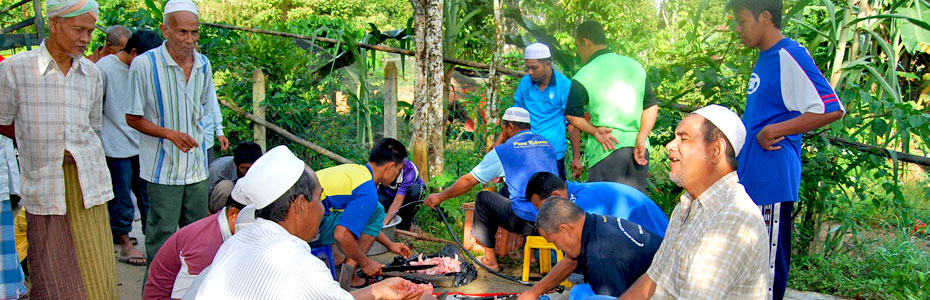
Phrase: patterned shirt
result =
(159, 93)
(714, 248)
(53, 113)
(264, 261)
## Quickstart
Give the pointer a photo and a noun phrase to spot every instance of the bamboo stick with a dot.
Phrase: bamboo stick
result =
(449, 60)
(283, 132)
(422, 237)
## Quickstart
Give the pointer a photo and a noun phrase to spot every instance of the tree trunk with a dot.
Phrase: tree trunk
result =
(428, 132)
(494, 82)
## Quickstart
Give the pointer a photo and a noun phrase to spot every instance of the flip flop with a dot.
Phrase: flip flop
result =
(134, 260)
(134, 241)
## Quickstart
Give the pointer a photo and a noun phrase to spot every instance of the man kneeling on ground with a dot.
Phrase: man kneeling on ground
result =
(602, 198)
(271, 259)
(189, 251)
(521, 155)
(224, 172)
(611, 252)
(354, 217)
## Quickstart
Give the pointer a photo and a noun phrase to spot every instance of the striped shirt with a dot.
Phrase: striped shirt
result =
(159, 93)
(714, 248)
(53, 113)
(264, 261)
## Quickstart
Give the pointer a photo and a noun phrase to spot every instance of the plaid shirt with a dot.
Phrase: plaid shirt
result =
(714, 248)
(55, 112)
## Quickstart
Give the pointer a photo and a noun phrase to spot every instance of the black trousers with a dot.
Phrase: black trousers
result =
(492, 211)
(620, 167)
(407, 213)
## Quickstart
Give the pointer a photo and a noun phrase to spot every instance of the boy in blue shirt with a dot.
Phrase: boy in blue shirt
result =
(787, 96)
(600, 198)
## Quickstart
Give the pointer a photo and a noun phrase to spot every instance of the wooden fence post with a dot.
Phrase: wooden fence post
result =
(390, 100)
(258, 107)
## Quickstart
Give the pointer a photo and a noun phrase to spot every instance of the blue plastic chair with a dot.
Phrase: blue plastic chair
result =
(325, 253)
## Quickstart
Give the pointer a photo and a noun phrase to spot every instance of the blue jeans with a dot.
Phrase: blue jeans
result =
(125, 175)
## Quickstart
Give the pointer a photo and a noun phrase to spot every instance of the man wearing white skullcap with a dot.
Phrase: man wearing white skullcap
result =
(271, 259)
(543, 92)
(189, 251)
(51, 103)
(523, 154)
(716, 225)
(173, 104)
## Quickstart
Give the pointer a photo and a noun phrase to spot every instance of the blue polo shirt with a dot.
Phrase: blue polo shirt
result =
(785, 83)
(621, 201)
(349, 188)
(547, 108)
(614, 253)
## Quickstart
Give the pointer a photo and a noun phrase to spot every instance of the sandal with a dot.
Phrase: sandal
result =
(133, 260)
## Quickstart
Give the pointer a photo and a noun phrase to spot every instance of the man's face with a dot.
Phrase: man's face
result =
(538, 69)
(182, 31)
(313, 214)
(243, 168)
(562, 240)
(539, 201)
(583, 45)
(391, 171)
(688, 153)
(72, 34)
(749, 28)
(116, 48)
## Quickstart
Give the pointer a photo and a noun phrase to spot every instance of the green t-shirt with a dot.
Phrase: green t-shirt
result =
(616, 90)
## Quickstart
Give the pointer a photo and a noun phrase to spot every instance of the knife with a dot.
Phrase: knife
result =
(399, 269)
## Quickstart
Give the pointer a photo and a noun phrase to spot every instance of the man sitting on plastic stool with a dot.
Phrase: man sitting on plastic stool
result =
(611, 252)
(521, 155)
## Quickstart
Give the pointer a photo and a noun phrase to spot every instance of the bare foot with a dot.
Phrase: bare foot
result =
(491, 264)
(130, 255)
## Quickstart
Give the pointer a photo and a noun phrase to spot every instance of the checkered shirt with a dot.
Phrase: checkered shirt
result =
(714, 248)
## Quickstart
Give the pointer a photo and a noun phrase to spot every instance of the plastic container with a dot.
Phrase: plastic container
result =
(378, 248)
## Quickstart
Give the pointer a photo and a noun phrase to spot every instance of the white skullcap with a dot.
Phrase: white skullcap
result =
(71, 8)
(536, 51)
(516, 114)
(180, 5)
(728, 122)
(270, 176)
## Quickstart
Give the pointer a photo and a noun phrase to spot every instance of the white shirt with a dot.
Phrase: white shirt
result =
(55, 112)
(264, 261)
(212, 123)
(119, 140)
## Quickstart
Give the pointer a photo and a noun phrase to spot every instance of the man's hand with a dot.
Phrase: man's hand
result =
(528, 295)
(224, 143)
(606, 139)
(371, 268)
(432, 200)
(639, 153)
(767, 141)
(396, 288)
(400, 249)
(577, 167)
(181, 140)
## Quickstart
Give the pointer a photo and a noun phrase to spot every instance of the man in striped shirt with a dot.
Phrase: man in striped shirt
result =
(169, 86)
(51, 104)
